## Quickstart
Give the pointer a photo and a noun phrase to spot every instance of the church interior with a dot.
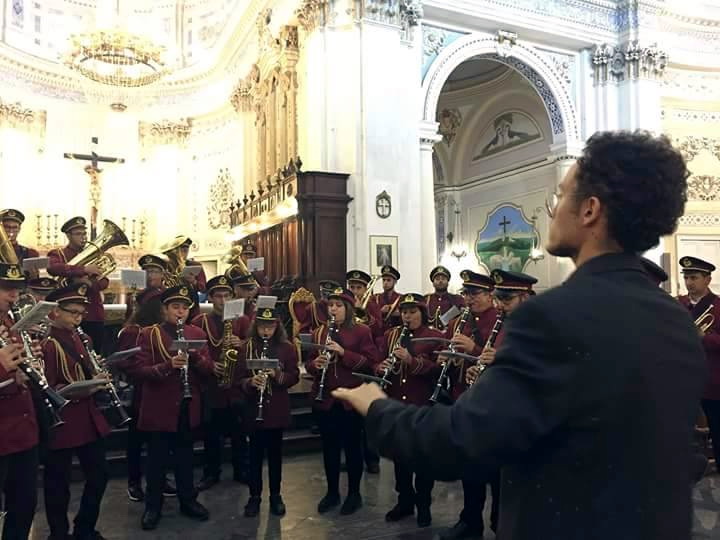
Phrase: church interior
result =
(324, 136)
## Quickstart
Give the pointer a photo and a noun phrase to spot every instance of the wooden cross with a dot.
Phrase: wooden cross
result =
(94, 172)
(504, 223)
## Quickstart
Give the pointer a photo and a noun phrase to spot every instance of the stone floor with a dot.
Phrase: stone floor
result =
(302, 488)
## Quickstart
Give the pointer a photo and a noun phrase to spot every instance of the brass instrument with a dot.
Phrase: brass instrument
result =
(328, 355)
(261, 397)
(184, 379)
(384, 381)
(115, 414)
(361, 310)
(490, 343)
(228, 356)
(236, 266)
(176, 261)
(94, 251)
(706, 320)
(442, 379)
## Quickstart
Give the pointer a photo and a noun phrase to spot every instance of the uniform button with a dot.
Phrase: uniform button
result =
(404, 381)
(404, 397)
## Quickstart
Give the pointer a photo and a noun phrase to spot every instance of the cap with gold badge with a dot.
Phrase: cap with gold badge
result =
(506, 281)
(248, 248)
(75, 293)
(180, 293)
(340, 293)
(73, 223)
(12, 274)
(358, 276)
(10, 214)
(693, 264)
(42, 284)
(389, 271)
(218, 283)
(153, 261)
(241, 280)
(474, 281)
(266, 314)
(412, 300)
(440, 270)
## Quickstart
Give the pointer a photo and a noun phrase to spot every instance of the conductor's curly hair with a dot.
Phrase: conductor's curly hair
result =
(640, 179)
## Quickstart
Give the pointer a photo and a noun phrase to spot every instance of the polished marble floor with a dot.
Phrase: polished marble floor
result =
(303, 485)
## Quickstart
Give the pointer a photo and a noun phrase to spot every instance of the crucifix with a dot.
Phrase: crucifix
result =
(504, 223)
(94, 172)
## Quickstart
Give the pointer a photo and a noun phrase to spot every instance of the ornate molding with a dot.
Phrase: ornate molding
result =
(403, 13)
(704, 187)
(17, 116)
(450, 121)
(165, 132)
(700, 220)
(312, 14)
(632, 61)
(221, 198)
(691, 116)
(698, 84)
(690, 146)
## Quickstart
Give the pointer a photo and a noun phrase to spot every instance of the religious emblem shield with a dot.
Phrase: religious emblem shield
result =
(383, 205)
(506, 239)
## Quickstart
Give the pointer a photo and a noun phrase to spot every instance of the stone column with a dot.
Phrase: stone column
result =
(428, 231)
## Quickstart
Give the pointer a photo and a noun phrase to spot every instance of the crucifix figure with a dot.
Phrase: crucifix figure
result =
(94, 172)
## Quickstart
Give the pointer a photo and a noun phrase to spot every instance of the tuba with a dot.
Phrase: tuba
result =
(176, 261)
(94, 251)
(236, 266)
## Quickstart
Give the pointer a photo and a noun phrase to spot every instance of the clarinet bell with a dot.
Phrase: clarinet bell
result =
(56, 401)
(372, 378)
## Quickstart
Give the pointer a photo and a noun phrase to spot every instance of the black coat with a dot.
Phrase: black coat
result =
(589, 409)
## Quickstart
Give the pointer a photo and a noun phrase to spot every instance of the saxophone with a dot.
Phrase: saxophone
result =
(228, 356)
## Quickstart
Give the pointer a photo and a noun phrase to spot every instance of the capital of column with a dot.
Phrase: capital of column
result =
(429, 135)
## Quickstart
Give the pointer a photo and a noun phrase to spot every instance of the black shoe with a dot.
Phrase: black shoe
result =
(169, 490)
(240, 476)
(135, 493)
(461, 530)
(353, 503)
(373, 468)
(277, 506)
(424, 517)
(252, 508)
(194, 510)
(89, 536)
(206, 482)
(150, 519)
(399, 511)
(327, 502)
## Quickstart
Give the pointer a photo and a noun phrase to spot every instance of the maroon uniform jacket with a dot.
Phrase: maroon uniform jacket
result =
(66, 362)
(213, 326)
(384, 299)
(412, 382)
(375, 320)
(58, 267)
(201, 284)
(24, 252)
(128, 338)
(18, 422)
(360, 355)
(276, 408)
(478, 327)
(162, 385)
(711, 340)
(438, 304)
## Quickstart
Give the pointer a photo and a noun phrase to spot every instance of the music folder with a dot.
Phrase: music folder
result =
(35, 263)
(449, 315)
(80, 388)
(121, 355)
(234, 309)
(192, 270)
(133, 279)
(265, 302)
(256, 264)
(263, 363)
(187, 344)
(38, 314)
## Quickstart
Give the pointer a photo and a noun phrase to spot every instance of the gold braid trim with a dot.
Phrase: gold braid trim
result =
(206, 326)
(63, 363)
(156, 333)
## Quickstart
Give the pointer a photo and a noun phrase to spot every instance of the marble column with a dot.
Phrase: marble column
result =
(428, 231)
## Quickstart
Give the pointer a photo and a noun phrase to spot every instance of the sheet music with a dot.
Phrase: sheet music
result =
(265, 302)
(187, 344)
(35, 316)
(192, 270)
(256, 264)
(264, 363)
(449, 315)
(35, 263)
(234, 309)
(133, 279)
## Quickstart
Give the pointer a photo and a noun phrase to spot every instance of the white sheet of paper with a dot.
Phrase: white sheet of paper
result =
(192, 271)
(35, 316)
(133, 279)
(256, 264)
(449, 315)
(234, 309)
(266, 302)
(187, 344)
(35, 263)
(263, 363)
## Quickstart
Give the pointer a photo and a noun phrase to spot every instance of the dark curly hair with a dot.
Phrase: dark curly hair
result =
(640, 179)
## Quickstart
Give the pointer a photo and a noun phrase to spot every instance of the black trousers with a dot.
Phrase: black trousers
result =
(18, 485)
(135, 441)
(410, 495)
(223, 423)
(474, 495)
(265, 441)
(341, 430)
(161, 445)
(96, 331)
(711, 408)
(58, 468)
(370, 456)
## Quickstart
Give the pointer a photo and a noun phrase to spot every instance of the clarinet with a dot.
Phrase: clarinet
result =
(187, 391)
(384, 381)
(491, 341)
(119, 416)
(328, 355)
(442, 379)
(261, 399)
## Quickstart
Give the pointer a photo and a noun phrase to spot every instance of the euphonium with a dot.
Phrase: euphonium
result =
(228, 356)
(706, 319)
(176, 261)
(442, 379)
(94, 251)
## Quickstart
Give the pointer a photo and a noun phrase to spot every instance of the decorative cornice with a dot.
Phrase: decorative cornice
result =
(690, 146)
(632, 61)
(703, 187)
(165, 132)
(17, 116)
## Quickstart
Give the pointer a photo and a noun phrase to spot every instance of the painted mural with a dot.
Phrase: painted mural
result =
(506, 239)
(507, 131)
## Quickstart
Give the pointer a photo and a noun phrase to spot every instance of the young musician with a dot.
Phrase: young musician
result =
(245, 287)
(67, 362)
(358, 282)
(439, 302)
(155, 267)
(222, 400)
(19, 433)
(12, 221)
(166, 416)
(249, 252)
(350, 348)
(94, 321)
(388, 299)
(196, 281)
(268, 339)
(412, 377)
(41, 287)
(697, 274)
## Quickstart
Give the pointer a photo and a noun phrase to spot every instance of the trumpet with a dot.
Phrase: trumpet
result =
(261, 398)
(187, 391)
(491, 340)
(706, 320)
(361, 309)
(442, 379)
(116, 414)
(328, 355)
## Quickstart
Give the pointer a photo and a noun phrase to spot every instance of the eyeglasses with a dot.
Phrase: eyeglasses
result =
(551, 203)
(506, 299)
(73, 312)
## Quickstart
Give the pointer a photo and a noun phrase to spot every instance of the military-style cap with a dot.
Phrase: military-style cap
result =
(474, 281)
(187, 242)
(389, 271)
(440, 270)
(73, 223)
(329, 285)
(42, 284)
(693, 264)
(512, 281)
(242, 280)
(218, 283)
(10, 214)
(358, 276)
(412, 300)
(656, 273)
(342, 294)
(247, 248)
(266, 314)
(153, 261)
(12, 274)
(180, 293)
(75, 293)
